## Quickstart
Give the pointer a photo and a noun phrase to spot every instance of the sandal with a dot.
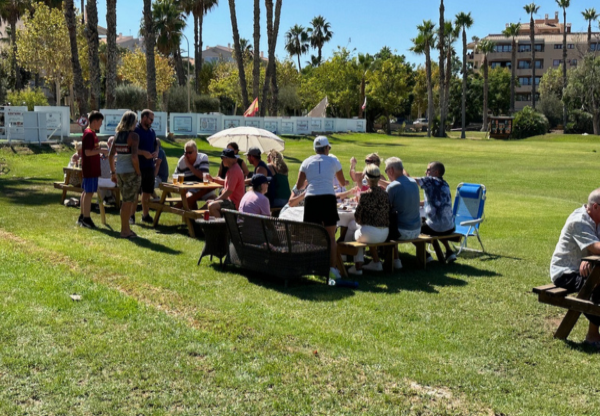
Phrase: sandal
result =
(129, 237)
(592, 344)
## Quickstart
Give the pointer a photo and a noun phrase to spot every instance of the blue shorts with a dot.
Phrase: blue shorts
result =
(90, 185)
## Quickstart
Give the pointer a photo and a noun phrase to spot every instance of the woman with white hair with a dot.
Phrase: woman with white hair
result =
(373, 217)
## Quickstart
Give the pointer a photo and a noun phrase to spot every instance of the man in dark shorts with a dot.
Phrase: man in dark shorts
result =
(579, 238)
(320, 204)
(90, 168)
(147, 152)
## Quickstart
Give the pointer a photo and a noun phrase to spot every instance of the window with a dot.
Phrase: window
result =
(573, 62)
(500, 64)
(522, 97)
(539, 48)
(523, 65)
(503, 48)
(537, 80)
(593, 47)
(524, 48)
(539, 64)
(558, 46)
(570, 46)
(556, 62)
(525, 80)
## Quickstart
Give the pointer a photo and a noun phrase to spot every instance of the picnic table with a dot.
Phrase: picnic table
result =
(577, 305)
(189, 215)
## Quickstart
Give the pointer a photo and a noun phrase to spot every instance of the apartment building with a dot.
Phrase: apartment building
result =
(548, 53)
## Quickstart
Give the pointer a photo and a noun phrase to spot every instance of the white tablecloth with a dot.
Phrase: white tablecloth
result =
(297, 214)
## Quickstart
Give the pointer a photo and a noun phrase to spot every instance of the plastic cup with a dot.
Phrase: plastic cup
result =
(205, 177)
(181, 179)
(175, 178)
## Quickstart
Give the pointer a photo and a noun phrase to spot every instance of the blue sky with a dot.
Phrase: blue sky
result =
(364, 25)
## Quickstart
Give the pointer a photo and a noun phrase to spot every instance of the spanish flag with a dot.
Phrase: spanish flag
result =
(253, 109)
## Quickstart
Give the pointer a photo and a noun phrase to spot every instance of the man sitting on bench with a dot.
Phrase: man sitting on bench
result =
(579, 238)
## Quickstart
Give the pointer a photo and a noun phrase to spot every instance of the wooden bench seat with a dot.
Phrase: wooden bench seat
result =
(70, 188)
(195, 214)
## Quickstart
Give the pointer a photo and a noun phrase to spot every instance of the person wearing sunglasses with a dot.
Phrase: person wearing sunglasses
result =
(192, 165)
(359, 177)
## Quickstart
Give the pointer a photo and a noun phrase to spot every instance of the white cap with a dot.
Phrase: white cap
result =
(320, 141)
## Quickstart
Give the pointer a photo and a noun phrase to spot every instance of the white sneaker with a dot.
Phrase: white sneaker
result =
(397, 264)
(374, 266)
(334, 273)
(352, 270)
(451, 258)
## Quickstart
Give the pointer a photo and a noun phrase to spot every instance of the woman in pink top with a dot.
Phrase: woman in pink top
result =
(255, 201)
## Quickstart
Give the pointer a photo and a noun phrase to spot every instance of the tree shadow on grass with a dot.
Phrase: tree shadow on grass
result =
(29, 191)
(140, 241)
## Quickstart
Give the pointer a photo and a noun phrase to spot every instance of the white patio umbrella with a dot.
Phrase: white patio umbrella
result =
(247, 137)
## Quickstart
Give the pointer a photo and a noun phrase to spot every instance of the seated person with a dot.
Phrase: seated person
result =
(359, 178)
(254, 159)
(403, 194)
(296, 198)
(255, 201)
(579, 238)
(279, 188)
(161, 168)
(75, 178)
(223, 170)
(234, 186)
(439, 219)
(104, 180)
(373, 218)
(193, 165)
(76, 158)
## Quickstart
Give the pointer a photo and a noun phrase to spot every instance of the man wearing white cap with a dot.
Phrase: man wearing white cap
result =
(320, 205)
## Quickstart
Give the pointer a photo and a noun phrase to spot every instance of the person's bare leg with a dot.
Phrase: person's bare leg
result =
(87, 204)
(81, 204)
(593, 335)
(125, 214)
(214, 209)
(375, 255)
(333, 257)
(133, 208)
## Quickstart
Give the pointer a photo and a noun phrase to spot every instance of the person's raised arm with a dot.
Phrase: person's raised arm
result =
(355, 176)
(134, 141)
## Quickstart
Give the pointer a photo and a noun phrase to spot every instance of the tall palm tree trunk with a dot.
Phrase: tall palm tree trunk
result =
(149, 42)
(463, 103)
(447, 83)
(80, 95)
(13, 40)
(263, 101)
(485, 95)
(564, 66)
(93, 45)
(429, 91)
(111, 52)
(442, 129)
(274, 87)
(238, 54)
(178, 61)
(256, 58)
(532, 37)
(513, 74)
(197, 54)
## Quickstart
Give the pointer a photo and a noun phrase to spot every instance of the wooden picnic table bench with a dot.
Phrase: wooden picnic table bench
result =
(576, 305)
(351, 248)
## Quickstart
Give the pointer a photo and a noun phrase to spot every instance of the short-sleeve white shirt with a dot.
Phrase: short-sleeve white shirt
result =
(320, 171)
(579, 232)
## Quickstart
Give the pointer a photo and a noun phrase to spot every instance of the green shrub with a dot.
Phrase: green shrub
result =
(132, 97)
(177, 99)
(205, 104)
(27, 97)
(552, 107)
(529, 122)
(581, 122)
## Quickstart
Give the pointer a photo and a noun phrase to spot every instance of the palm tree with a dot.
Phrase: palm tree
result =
(364, 64)
(247, 49)
(11, 12)
(590, 15)
(256, 60)
(112, 53)
(238, 54)
(532, 9)
(149, 42)
(320, 33)
(451, 34)
(442, 89)
(296, 42)
(80, 95)
(511, 31)
(485, 47)
(564, 4)
(422, 44)
(271, 72)
(169, 22)
(465, 21)
(91, 31)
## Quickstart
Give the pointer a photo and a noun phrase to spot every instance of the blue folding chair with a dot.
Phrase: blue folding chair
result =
(468, 212)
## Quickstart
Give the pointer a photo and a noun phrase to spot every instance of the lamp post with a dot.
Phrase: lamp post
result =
(188, 69)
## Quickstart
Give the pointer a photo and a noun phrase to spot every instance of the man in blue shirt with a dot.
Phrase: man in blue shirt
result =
(147, 151)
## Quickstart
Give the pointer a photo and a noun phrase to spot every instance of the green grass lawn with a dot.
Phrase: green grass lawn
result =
(155, 334)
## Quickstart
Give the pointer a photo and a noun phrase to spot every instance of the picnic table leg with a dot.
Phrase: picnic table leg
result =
(421, 253)
(340, 265)
(388, 256)
(159, 209)
(438, 251)
(570, 319)
(64, 192)
(186, 208)
(102, 210)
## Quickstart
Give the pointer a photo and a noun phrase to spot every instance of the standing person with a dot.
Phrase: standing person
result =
(439, 219)
(90, 168)
(579, 238)
(279, 188)
(403, 193)
(127, 172)
(161, 169)
(147, 152)
(320, 205)
(255, 201)
(223, 170)
(233, 185)
(373, 217)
